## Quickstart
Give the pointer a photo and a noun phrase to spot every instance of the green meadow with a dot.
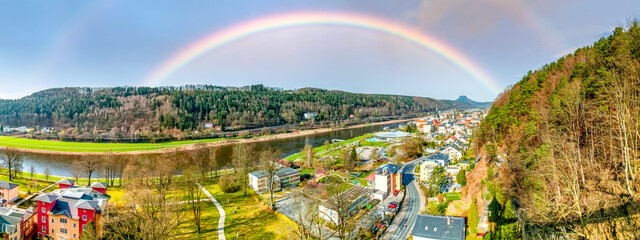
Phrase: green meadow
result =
(58, 146)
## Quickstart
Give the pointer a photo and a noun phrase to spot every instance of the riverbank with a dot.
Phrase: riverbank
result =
(77, 148)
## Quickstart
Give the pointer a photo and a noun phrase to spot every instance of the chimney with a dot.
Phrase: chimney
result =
(448, 221)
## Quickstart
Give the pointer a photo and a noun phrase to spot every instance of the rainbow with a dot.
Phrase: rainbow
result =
(260, 25)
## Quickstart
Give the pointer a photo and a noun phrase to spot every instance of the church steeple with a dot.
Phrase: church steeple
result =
(437, 113)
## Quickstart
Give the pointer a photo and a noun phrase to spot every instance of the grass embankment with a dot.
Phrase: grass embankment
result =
(330, 149)
(59, 146)
(245, 218)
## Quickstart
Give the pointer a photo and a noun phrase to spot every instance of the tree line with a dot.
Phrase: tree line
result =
(145, 113)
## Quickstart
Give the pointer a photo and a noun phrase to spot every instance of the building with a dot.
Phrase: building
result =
(285, 178)
(393, 136)
(65, 183)
(17, 223)
(464, 164)
(432, 227)
(208, 125)
(387, 179)
(310, 115)
(432, 161)
(65, 212)
(354, 199)
(9, 192)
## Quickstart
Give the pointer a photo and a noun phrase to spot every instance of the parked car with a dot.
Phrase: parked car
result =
(395, 193)
(393, 205)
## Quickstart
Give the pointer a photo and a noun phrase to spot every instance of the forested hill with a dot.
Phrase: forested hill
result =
(565, 142)
(187, 108)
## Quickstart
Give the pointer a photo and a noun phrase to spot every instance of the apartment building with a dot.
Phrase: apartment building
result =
(66, 212)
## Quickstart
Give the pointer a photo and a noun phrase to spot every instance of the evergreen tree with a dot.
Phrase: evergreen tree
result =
(462, 178)
(472, 217)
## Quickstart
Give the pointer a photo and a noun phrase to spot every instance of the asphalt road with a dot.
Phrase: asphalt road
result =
(410, 206)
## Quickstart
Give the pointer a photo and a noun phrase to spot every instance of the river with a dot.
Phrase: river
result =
(59, 164)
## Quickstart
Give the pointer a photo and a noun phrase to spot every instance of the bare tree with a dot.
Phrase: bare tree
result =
(47, 172)
(76, 171)
(200, 158)
(153, 171)
(242, 161)
(146, 215)
(340, 203)
(305, 215)
(194, 194)
(12, 160)
(213, 162)
(270, 166)
(90, 165)
(308, 151)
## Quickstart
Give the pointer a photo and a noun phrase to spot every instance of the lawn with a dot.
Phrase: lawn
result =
(334, 147)
(208, 223)
(453, 196)
(245, 217)
(26, 185)
(59, 146)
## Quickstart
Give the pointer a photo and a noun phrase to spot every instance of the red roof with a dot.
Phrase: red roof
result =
(371, 177)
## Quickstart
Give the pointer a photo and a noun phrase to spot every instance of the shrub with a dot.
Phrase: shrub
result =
(228, 183)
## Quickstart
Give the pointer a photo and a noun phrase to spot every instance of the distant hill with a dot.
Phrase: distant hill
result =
(145, 111)
(464, 102)
(564, 141)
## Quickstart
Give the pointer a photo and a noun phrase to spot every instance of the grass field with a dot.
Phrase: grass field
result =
(245, 218)
(59, 146)
(453, 196)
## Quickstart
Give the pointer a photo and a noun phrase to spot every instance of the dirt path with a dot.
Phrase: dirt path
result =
(218, 143)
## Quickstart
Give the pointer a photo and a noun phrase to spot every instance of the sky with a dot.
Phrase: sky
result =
(106, 43)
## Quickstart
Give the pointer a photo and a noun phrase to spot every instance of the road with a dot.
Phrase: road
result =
(410, 206)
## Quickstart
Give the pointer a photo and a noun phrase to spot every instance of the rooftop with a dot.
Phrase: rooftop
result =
(438, 156)
(69, 200)
(350, 195)
(390, 169)
(393, 134)
(439, 227)
(8, 185)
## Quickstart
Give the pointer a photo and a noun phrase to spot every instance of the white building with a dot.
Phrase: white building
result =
(285, 178)
(388, 179)
(355, 198)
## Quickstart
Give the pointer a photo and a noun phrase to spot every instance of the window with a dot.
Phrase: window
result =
(84, 210)
(53, 231)
(43, 211)
(44, 219)
(52, 220)
(63, 220)
(84, 218)
(63, 230)
(83, 227)
(74, 235)
(44, 229)
(74, 225)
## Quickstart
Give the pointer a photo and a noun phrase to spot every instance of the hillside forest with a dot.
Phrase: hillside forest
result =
(174, 112)
(565, 143)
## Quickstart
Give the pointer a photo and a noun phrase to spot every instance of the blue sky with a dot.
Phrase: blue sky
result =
(45, 44)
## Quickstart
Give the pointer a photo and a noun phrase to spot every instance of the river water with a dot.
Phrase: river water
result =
(59, 164)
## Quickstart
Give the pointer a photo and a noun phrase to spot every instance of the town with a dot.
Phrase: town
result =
(403, 182)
